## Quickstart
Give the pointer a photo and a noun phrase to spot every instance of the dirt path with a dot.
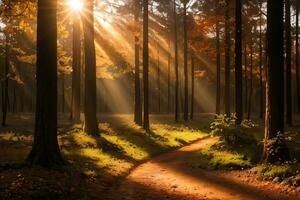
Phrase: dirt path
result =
(170, 176)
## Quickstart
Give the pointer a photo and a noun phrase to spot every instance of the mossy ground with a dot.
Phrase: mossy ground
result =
(97, 161)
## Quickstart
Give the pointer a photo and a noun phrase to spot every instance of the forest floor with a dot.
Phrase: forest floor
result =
(124, 162)
(186, 174)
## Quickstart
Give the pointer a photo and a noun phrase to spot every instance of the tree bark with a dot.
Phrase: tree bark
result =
(192, 87)
(138, 118)
(251, 76)
(76, 79)
(274, 145)
(6, 69)
(227, 60)
(289, 115)
(91, 125)
(218, 65)
(45, 150)
(297, 56)
(246, 74)
(63, 93)
(158, 80)
(261, 90)
(238, 64)
(169, 78)
(185, 57)
(176, 65)
(146, 64)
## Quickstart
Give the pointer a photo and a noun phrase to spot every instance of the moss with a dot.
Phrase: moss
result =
(218, 156)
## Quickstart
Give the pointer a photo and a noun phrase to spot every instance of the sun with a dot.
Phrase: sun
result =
(76, 5)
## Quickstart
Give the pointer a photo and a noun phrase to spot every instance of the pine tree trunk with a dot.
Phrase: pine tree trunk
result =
(297, 56)
(185, 46)
(192, 87)
(246, 74)
(218, 64)
(6, 69)
(274, 147)
(251, 77)
(146, 64)
(138, 118)
(176, 65)
(76, 79)
(227, 60)
(158, 80)
(45, 150)
(289, 115)
(169, 81)
(63, 93)
(91, 125)
(261, 90)
(238, 64)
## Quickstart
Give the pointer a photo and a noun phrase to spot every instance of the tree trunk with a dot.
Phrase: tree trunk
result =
(63, 93)
(227, 60)
(274, 147)
(91, 125)
(261, 104)
(218, 64)
(76, 79)
(238, 64)
(289, 116)
(185, 57)
(246, 74)
(251, 76)
(169, 80)
(158, 79)
(138, 118)
(45, 150)
(146, 64)
(176, 66)
(192, 88)
(297, 56)
(6, 69)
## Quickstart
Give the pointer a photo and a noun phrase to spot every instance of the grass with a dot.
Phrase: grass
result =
(96, 161)
(119, 148)
(122, 145)
(215, 156)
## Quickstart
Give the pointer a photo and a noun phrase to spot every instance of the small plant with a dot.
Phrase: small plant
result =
(225, 127)
(248, 124)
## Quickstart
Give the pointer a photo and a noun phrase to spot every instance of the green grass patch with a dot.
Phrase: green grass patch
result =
(119, 148)
(288, 173)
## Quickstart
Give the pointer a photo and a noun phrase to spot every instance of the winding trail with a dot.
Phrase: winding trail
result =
(171, 176)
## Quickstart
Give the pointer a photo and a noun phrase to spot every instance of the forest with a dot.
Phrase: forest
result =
(149, 100)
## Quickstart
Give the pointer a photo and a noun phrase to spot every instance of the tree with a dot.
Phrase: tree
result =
(158, 80)
(238, 63)
(185, 64)
(261, 100)
(246, 72)
(297, 56)
(176, 64)
(138, 118)
(274, 144)
(75, 109)
(45, 150)
(288, 62)
(218, 66)
(91, 125)
(192, 87)
(227, 60)
(251, 76)
(146, 64)
(6, 69)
